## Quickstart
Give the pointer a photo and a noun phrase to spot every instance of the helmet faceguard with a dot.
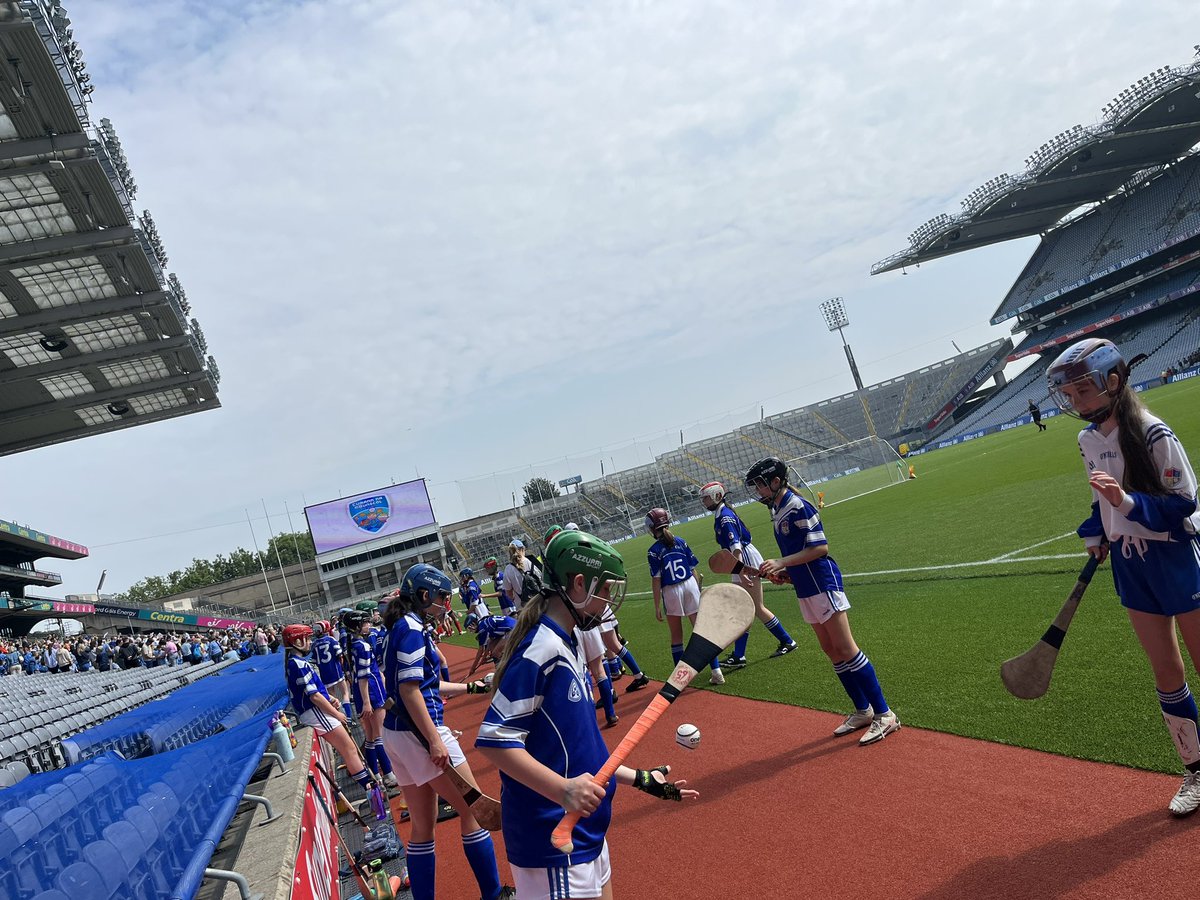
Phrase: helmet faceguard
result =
(429, 579)
(763, 473)
(1081, 374)
(657, 518)
(712, 494)
(578, 553)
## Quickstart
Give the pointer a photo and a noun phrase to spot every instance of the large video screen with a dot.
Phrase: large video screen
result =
(366, 517)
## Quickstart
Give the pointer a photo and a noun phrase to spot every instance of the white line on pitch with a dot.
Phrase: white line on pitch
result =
(1032, 546)
(965, 565)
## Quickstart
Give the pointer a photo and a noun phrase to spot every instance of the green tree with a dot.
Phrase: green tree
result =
(203, 573)
(538, 489)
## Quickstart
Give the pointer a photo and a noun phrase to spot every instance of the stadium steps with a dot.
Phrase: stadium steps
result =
(680, 473)
(867, 414)
(824, 421)
(762, 445)
(460, 550)
(595, 507)
(709, 465)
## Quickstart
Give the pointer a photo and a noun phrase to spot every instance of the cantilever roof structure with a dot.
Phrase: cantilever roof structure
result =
(95, 335)
(1149, 125)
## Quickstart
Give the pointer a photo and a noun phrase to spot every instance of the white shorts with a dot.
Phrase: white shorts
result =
(681, 599)
(593, 643)
(410, 760)
(321, 723)
(565, 882)
(819, 609)
(752, 559)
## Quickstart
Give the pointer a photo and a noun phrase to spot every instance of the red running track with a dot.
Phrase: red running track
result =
(789, 811)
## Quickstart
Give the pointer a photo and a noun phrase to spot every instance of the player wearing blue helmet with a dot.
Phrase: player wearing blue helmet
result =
(471, 595)
(416, 738)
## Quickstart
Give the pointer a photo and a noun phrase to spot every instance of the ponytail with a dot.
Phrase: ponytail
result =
(668, 539)
(527, 619)
(1141, 474)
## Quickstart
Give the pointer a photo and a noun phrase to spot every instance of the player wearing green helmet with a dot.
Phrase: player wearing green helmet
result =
(541, 733)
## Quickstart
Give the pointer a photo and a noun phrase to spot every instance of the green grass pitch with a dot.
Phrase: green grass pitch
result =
(936, 629)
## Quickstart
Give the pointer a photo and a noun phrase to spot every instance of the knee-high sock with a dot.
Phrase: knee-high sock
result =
(481, 854)
(739, 646)
(1179, 712)
(627, 658)
(445, 673)
(676, 653)
(363, 777)
(422, 869)
(715, 663)
(851, 686)
(348, 709)
(369, 755)
(776, 628)
(385, 764)
(606, 697)
(864, 672)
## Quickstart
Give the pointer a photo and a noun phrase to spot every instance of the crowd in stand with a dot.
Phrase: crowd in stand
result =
(83, 653)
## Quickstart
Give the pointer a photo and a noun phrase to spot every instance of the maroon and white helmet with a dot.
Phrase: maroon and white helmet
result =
(712, 494)
(657, 518)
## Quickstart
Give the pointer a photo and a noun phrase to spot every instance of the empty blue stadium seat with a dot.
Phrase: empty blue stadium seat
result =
(82, 881)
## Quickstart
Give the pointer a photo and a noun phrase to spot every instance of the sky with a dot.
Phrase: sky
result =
(475, 241)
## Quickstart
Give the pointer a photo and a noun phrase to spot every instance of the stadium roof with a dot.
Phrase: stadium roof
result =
(94, 334)
(1150, 124)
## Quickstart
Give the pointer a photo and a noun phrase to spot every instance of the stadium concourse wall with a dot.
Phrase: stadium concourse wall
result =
(1046, 414)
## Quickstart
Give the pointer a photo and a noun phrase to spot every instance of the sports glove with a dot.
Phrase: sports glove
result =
(645, 781)
(476, 687)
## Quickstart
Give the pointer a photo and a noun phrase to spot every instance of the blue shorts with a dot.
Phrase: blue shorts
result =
(374, 688)
(1166, 582)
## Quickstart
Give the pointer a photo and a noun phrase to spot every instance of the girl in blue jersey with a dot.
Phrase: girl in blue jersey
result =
(733, 535)
(327, 653)
(418, 742)
(492, 567)
(541, 732)
(311, 701)
(1144, 502)
(675, 584)
(366, 689)
(818, 583)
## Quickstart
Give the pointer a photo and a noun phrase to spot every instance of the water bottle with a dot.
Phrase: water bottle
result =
(291, 733)
(381, 884)
(378, 802)
(282, 745)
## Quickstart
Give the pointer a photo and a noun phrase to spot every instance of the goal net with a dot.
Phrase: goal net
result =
(847, 471)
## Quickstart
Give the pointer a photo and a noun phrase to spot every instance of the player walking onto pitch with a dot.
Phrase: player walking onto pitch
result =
(675, 584)
(1144, 500)
(734, 536)
(366, 689)
(1037, 415)
(818, 583)
(420, 744)
(313, 705)
(471, 595)
(542, 734)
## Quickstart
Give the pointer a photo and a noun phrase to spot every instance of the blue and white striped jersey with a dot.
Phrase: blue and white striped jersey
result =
(674, 565)
(303, 682)
(731, 531)
(366, 667)
(327, 654)
(543, 704)
(411, 656)
(797, 528)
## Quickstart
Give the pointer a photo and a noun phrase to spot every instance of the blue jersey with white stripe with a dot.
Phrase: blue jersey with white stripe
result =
(730, 529)
(363, 656)
(543, 704)
(411, 656)
(797, 528)
(470, 593)
(378, 640)
(327, 654)
(302, 683)
(674, 565)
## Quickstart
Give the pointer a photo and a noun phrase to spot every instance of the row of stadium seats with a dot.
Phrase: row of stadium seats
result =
(139, 830)
(1163, 209)
(1167, 335)
(39, 712)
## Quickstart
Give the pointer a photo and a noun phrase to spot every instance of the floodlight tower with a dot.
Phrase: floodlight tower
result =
(835, 317)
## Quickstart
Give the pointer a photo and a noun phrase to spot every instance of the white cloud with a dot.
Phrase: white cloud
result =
(403, 224)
